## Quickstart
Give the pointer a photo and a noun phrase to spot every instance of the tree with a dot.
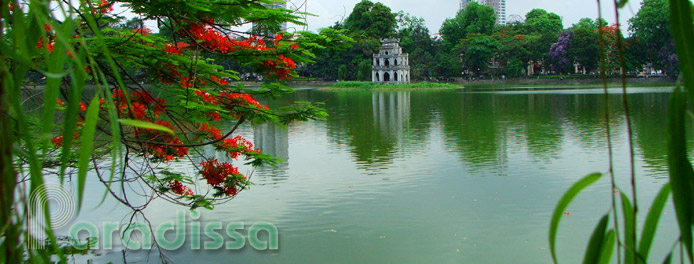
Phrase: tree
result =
(474, 19)
(415, 40)
(143, 127)
(364, 72)
(478, 50)
(584, 47)
(547, 26)
(559, 55)
(650, 29)
(513, 47)
(342, 72)
(371, 20)
(515, 68)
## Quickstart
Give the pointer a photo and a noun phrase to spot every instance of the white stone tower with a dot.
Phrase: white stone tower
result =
(390, 65)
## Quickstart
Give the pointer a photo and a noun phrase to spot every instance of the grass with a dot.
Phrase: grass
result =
(371, 85)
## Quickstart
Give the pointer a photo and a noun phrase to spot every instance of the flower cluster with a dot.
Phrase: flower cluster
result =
(210, 131)
(223, 176)
(141, 101)
(236, 146)
(163, 152)
(175, 48)
(282, 67)
(58, 141)
(144, 106)
(239, 99)
(558, 53)
(209, 38)
(180, 189)
(51, 38)
(207, 97)
(104, 7)
(214, 41)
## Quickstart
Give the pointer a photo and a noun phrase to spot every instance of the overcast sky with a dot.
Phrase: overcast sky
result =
(435, 12)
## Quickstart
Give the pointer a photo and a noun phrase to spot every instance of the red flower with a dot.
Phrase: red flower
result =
(215, 116)
(105, 7)
(171, 49)
(57, 141)
(212, 132)
(180, 189)
(215, 173)
(217, 80)
(142, 31)
(294, 46)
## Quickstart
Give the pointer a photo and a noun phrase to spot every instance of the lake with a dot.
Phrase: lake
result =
(443, 176)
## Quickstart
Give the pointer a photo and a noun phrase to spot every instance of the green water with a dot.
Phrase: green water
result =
(456, 176)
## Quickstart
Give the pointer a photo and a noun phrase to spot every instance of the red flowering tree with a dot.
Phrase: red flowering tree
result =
(92, 104)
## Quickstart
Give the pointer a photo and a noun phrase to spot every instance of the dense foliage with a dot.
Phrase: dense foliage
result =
(472, 44)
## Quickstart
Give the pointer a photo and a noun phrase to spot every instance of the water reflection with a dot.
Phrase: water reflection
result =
(272, 139)
(391, 112)
(485, 129)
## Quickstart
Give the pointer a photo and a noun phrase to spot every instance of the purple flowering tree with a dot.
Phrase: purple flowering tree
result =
(558, 54)
(668, 58)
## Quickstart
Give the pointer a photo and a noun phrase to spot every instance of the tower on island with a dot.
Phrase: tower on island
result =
(390, 65)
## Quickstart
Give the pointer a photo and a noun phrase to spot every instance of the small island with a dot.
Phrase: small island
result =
(389, 86)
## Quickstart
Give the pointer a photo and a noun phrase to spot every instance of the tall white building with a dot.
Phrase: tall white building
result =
(498, 5)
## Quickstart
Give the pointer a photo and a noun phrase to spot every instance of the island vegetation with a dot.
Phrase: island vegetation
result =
(372, 85)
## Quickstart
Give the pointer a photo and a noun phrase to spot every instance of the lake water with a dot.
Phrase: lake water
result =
(446, 176)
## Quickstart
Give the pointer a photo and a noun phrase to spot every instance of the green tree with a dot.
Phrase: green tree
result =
(514, 68)
(474, 19)
(513, 47)
(584, 47)
(371, 20)
(364, 71)
(652, 37)
(546, 27)
(342, 72)
(478, 50)
(416, 41)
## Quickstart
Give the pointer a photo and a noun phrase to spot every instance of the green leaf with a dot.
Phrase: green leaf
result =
(668, 259)
(629, 235)
(596, 242)
(681, 172)
(146, 125)
(607, 247)
(86, 146)
(683, 36)
(563, 204)
(652, 219)
(621, 3)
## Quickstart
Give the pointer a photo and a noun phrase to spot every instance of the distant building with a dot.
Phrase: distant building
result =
(498, 5)
(464, 3)
(390, 65)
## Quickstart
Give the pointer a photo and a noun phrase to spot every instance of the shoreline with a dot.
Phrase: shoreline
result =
(461, 84)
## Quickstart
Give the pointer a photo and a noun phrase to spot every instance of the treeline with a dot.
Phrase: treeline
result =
(472, 45)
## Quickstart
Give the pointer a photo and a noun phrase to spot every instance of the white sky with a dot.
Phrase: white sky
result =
(435, 12)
